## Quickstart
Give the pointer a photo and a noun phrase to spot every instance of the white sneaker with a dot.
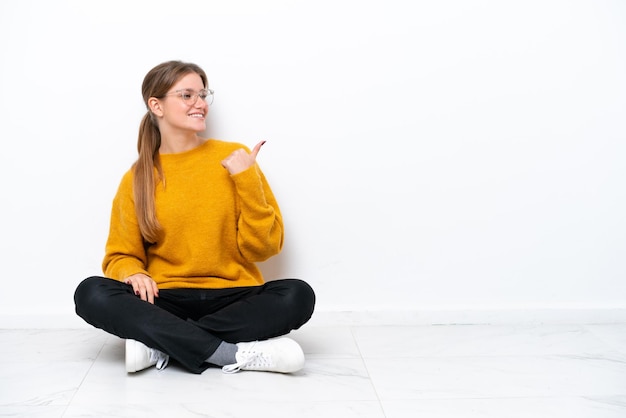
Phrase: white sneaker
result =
(282, 355)
(139, 357)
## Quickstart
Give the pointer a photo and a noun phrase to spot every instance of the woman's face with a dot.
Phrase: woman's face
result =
(182, 109)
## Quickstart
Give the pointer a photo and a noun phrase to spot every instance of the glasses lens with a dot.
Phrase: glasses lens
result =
(188, 97)
(207, 96)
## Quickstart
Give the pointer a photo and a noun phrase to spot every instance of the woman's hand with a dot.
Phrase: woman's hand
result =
(240, 160)
(143, 286)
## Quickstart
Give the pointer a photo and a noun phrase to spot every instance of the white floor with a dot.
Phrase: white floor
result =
(423, 371)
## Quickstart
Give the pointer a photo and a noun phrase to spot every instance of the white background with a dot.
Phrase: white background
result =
(427, 155)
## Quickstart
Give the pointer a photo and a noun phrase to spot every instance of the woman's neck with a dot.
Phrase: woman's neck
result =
(180, 143)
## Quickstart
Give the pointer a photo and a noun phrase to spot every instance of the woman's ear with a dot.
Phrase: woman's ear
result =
(155, 106)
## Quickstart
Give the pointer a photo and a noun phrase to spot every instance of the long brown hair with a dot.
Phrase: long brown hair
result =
(156, 83)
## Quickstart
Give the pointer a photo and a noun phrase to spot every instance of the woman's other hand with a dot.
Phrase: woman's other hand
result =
(143, 286)
(240, 160)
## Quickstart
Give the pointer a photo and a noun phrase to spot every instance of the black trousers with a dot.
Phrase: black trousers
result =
(189, 324)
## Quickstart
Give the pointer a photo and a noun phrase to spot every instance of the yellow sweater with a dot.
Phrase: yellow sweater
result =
(215, 226)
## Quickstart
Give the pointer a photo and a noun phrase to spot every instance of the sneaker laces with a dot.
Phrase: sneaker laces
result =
(249, 359)
(161, 359)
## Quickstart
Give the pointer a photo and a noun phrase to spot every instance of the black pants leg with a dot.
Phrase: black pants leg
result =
(189, 324)
(256, 313)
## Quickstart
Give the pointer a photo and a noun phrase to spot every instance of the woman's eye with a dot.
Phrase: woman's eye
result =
(186, 96)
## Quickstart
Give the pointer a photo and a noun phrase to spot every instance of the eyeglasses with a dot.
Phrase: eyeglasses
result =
(190, 97)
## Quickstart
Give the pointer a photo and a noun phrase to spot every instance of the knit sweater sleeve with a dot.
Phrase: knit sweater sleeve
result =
(260, 224)
(124, 252)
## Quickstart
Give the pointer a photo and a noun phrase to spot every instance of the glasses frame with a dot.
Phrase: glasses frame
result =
(194, 96)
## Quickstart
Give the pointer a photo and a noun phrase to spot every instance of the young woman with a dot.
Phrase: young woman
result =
(189, 221)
